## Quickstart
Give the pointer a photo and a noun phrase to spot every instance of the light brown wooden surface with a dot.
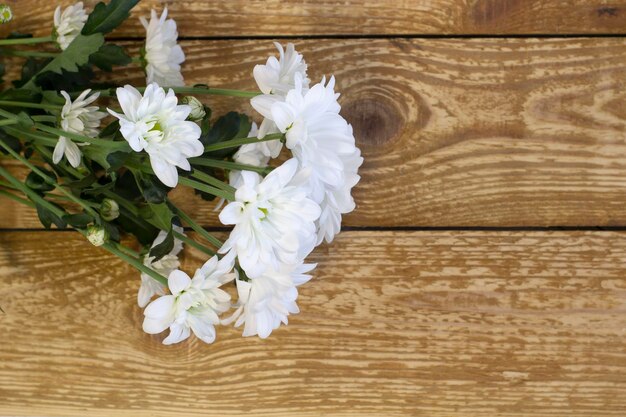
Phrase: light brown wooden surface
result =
(480, 132)
(245, 18)
(505, 132)
(393, 324)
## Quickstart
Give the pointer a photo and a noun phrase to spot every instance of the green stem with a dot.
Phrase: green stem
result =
(48, 141)
(79, 138)
(31, 193)
(206, 235)
(206, 188)
(44, 118)
(194, 90)
(8, 122)
(128, 251)
(49, 180)
(233, 143)
(35, 54)
(16, 198)
(25, 41)
(111, 247)
(209, 179)
(228, 165)
(9, 115)
(7, 185)
(215, 91)
(134, 262)
(193, 243)
(11, 103)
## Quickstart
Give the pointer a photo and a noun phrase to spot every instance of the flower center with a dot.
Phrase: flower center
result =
(157, 127)
(264, 211)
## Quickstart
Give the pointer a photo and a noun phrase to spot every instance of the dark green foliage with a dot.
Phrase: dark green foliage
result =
(47, 218)
(35, 182)
(164, 247)
(11, 141)
(110, 55)
(78, 220)
(232, 125)
(106, 17)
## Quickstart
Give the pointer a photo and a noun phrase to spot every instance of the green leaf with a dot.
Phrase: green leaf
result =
(68, 81)
(205, 124)
(31, 67)
(78, 220)
(110, 55)
(52, 97)
(164, 247)
(232, 125)
(35, 182)
(101, 156)
(144, 232)
(47, 217)
(159, 214)
(106, 17)
(153, 191)
(116, 160)
(24, 120)
(13, 142)
(79, 185)
(111, 129)
(126, 187)
(76, 54)
(17, 94)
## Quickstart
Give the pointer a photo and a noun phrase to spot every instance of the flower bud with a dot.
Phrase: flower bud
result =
(109, 209)
(6, 15)
(97, 235)
(197, 108)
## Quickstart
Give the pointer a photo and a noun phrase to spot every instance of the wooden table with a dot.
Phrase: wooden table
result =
(483, 272)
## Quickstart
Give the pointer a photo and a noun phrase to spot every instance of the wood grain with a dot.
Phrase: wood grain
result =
(479, 132)
(245, 18)
(394, 324)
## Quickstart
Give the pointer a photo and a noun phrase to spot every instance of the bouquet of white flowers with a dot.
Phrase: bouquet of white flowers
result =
(106, 170)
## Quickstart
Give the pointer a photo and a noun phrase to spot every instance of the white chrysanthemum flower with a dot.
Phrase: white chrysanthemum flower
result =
(164, 266)
(266, 301)
(254, 154)
(157, 124)
(68, 23)
(275, 79)
(338, 201)
(77, 117)
(194, 304)
(277, 76)
(321, 140)
(162, 55)
(273, 218)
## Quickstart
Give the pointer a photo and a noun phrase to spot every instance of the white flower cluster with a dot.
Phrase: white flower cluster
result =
(162, 55)
(277, 220)
(68, 23)
(155, 123)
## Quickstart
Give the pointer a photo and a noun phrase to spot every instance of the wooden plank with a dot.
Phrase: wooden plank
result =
(393, 323)
(245, 18)
(480, 132)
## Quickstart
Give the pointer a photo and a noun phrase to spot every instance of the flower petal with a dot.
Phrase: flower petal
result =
(178, 281)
